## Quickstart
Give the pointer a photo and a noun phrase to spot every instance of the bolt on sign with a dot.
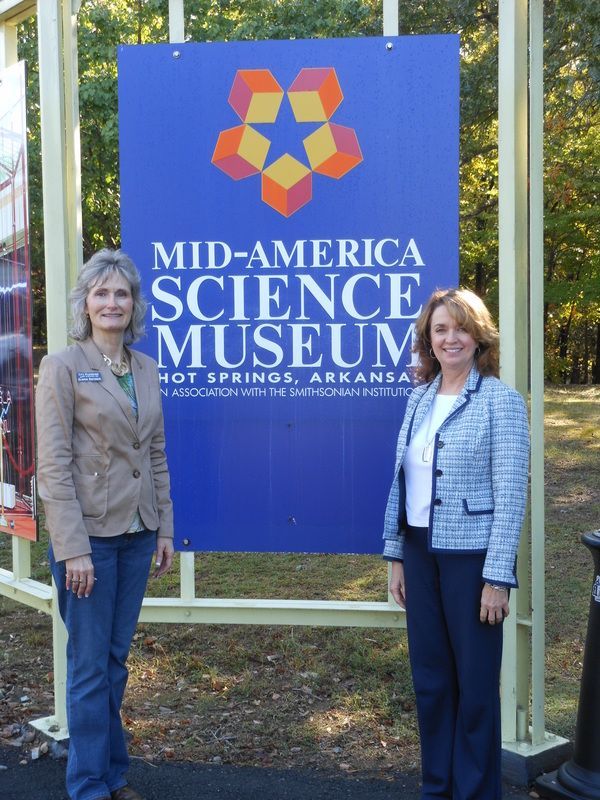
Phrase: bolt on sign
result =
(291, 205)
(17, 454)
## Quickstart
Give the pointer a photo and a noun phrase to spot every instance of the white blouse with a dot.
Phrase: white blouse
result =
(418, 462)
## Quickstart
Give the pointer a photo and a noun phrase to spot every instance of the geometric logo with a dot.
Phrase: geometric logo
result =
(331, 150)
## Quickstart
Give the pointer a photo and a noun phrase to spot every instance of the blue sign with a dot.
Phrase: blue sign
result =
(290, 205)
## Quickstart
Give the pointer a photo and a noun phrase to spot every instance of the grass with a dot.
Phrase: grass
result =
(572, 423)
(339, 699)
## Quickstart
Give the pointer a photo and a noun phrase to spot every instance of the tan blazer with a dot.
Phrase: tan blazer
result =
(96, 464)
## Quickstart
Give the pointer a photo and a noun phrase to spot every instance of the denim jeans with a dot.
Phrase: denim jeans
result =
(100, 629)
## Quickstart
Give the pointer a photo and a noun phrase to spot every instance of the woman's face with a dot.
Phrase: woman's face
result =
(452, 345)
(110, 305)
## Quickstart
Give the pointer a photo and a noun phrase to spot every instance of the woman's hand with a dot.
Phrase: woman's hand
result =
(79, 575)
(397, 588)
(494, 605)
(164, 555)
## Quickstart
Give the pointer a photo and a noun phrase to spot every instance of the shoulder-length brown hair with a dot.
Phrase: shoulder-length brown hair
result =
(468, 310)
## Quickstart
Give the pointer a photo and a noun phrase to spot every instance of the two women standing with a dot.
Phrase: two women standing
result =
(452, 525)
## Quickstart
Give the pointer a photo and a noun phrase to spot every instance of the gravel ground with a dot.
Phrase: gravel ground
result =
(43, 779)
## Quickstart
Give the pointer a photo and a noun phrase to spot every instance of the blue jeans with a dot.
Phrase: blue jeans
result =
(100, 629)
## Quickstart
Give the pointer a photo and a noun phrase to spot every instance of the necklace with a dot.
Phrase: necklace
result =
(428, 449)
(120, 369)
(427, 454)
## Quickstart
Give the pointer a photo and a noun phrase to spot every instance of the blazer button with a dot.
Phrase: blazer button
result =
(437, 502)
(438, 473)
(136, 473)
(136, 445)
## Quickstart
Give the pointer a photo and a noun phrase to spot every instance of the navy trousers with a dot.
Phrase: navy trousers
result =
(455, 662)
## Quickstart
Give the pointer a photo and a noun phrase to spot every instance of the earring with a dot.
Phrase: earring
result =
(477, 351)
(432, 354)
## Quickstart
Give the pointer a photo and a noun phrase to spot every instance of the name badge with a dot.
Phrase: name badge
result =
(88, 377)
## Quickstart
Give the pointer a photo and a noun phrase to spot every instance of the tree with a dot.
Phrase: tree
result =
(572, 73)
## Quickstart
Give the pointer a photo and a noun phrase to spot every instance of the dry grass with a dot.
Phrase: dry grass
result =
(337, 699)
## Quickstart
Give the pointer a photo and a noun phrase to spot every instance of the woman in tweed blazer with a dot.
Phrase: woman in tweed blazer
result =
(452, 528)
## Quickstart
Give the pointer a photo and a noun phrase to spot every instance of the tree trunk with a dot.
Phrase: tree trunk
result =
(563, 341)
(586, 354)
(479, 279)
(139, 21)
(596, 367)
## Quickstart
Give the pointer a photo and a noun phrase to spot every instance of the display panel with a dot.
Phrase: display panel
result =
(17, 462)
(290, 206)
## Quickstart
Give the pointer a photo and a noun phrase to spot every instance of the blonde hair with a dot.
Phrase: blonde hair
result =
(469, 311)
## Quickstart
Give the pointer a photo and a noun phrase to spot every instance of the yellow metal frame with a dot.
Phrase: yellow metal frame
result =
(521, 303)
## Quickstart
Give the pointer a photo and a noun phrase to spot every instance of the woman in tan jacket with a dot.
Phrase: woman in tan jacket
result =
(104, 481)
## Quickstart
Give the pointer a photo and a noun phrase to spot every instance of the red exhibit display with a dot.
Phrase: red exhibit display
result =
(17, 451)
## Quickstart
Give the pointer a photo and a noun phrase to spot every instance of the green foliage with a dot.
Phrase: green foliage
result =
(572, 141)
(572, 173)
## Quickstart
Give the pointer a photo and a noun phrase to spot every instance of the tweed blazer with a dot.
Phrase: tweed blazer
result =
(480, 471)
(97, 464)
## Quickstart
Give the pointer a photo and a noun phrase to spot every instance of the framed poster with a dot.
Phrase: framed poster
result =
(17, 430)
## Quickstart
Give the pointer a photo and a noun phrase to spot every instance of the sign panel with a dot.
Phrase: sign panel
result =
(17, 453)
(290, 206)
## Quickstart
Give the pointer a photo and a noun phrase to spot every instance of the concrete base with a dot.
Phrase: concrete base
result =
(569, 781)
(522, 762)
(50, 727)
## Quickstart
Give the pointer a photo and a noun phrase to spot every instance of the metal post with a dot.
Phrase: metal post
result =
(187, 576)
(579, 778)
(512, 180)
(72, 139)
(176, 21)
(527, 750)
(536, 366)
(187, 570)
(8, 45)
(59, 166)
(55, 726)
(390, 28)
(390, 18)
(62, 229)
